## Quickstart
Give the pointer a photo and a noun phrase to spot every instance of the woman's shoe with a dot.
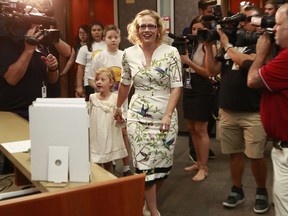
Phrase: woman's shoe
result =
(146, 211)
(201, 174)
(192, 168)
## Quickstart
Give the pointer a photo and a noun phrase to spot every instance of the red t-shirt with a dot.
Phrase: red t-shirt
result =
(274, 102)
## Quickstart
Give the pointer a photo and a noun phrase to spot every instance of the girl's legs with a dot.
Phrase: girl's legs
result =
(108, 166)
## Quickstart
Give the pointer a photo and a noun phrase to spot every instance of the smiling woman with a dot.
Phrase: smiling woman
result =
(154, 69)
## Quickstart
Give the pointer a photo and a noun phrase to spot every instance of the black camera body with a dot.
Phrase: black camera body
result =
(15, 21)
(183, 43)
(266, 23)
(227, 24)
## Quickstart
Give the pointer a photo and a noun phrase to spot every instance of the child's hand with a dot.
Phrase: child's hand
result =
(118, 115)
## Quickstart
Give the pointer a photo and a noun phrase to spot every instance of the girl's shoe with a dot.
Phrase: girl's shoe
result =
(201, 174)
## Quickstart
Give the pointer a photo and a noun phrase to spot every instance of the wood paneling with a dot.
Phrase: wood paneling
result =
(104, 11)
(124, 196)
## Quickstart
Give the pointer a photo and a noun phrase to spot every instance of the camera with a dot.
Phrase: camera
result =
(16, 18)
(262, 21)
(227, 24)
(266, 23)
(183, 43)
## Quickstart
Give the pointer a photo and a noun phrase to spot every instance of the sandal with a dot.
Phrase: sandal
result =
(201, 174)
(192, 168)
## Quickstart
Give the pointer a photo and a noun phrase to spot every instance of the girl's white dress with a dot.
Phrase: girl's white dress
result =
(106, 141)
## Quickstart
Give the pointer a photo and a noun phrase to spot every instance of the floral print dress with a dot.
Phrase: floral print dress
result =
(152, 150)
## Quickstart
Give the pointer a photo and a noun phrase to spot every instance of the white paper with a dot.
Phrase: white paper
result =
(18, 146)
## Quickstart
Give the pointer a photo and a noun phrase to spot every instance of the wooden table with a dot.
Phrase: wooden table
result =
(14, 128)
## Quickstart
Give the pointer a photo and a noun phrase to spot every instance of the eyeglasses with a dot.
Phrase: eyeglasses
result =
(151, 27)
(246, 3)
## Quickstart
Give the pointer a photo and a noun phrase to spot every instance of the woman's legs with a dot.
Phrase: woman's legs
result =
(201, 141)
(151, 197)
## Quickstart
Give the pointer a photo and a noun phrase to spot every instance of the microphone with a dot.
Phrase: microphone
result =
(171, 35)
(208, 18)
(239, 17)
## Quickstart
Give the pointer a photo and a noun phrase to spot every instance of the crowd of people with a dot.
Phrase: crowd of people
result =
(251, 97)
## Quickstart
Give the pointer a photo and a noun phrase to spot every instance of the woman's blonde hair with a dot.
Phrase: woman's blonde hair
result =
(132, 27)
(109, 72)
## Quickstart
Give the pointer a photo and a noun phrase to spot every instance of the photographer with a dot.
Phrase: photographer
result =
(24, 72)
(273, 78)
(205, 8)
(199, 100)
(241, 131)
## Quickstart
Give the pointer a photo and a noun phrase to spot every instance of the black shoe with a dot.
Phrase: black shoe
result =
(261, 204)
(235, 197)
(193, 157)
(127, 173)
(211, 154)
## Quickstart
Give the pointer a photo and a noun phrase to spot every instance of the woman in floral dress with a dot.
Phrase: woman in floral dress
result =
(154, 69)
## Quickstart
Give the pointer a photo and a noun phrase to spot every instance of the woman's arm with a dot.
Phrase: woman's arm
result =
(173, 100)
(69, 63)
(198, 69)
(79, 81)
(212, 66)
(123, 93)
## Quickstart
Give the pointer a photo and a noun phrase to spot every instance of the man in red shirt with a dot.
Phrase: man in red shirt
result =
(273, 77)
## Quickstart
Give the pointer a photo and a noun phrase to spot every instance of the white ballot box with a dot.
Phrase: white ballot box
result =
(59, 122)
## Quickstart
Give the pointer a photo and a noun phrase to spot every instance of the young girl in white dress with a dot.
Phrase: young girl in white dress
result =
(106, 141)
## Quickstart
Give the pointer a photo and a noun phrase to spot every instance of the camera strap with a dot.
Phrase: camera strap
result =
(31, 40)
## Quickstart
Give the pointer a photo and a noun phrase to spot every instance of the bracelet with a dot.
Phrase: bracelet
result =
(228, 46)
(119, 108)
(52, 70)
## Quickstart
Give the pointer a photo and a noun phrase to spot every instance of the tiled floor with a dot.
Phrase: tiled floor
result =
(180, 196)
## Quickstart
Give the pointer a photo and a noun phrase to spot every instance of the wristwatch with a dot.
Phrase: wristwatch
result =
(228, 46)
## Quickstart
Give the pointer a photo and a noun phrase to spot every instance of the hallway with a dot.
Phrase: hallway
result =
(180, 196)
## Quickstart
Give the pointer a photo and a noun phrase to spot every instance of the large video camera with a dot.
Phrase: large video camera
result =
(183, 43)
(266, 23)
(227, 24)
(16, 18)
